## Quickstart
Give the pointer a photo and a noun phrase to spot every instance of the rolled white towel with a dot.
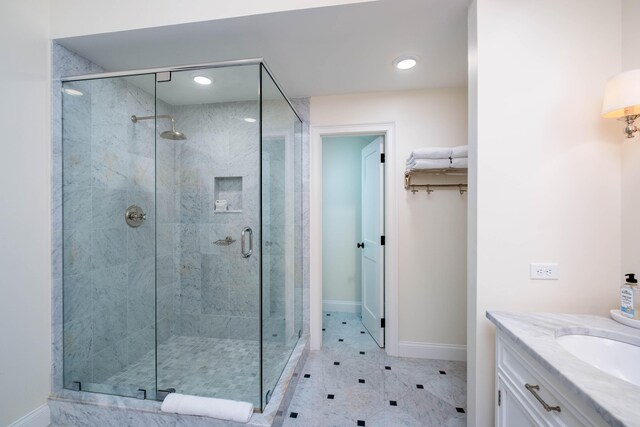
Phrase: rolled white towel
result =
(223, 409)
(426, 164)
(460, 163)
(430, 153)
(460, 151)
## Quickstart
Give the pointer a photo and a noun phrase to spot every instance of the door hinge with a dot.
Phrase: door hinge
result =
(382, 240)
(499, 397)
(382, 322)
(381, 157)
(163, 77)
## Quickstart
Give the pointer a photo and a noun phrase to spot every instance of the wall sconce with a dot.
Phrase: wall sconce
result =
(622, 100)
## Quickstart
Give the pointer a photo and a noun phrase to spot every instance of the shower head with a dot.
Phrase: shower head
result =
(172, 134)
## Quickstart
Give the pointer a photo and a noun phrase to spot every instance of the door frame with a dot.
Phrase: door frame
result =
(386, 129)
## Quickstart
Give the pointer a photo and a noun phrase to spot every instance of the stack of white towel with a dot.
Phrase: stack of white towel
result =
(438, 158)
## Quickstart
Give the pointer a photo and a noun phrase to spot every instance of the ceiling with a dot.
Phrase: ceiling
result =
(322, 51)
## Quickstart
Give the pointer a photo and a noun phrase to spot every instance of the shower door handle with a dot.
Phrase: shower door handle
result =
(244, 253)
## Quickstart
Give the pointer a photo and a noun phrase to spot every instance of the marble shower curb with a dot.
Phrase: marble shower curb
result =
(71, 408)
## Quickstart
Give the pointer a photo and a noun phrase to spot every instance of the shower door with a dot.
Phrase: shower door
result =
(108, 172)
(208, 240)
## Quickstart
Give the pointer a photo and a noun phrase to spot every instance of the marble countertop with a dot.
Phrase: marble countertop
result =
(615, 400)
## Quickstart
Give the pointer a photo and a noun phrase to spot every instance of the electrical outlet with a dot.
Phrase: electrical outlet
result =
(543, 271)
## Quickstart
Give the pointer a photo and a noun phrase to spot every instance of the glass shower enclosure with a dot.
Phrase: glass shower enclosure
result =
(182, 215)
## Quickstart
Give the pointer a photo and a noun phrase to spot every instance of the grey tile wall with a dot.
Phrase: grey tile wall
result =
(108, 267)
(217, 290)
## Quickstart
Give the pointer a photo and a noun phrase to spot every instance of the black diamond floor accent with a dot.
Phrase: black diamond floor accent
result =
(460, 410)
(443, 373)
(419, 386)
(393, 403)
(330, 396)
(361, 381)
(360, 423)
(293, 415)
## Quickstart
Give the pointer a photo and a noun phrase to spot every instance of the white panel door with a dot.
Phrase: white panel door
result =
(372, 231)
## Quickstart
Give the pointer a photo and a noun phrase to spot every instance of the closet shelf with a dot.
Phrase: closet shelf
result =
(408, 185)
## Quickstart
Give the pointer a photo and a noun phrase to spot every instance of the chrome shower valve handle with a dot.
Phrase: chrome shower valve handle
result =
(134, 216)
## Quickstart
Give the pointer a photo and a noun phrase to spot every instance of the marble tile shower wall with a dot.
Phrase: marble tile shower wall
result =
(218, 290)
(303, 108)
(282, 140)
(274, 224)
(109, 268)
(63, 63)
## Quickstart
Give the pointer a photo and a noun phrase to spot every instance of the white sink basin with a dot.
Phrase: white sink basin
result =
(616, 358)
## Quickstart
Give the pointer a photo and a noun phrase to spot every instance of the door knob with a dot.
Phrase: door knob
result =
(361, 245)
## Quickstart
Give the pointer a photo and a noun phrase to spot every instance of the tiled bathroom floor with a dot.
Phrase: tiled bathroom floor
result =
(352, 382)
(185, 363)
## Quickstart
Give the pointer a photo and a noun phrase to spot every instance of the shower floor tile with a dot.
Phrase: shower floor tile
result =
(352, 382)
(211, 367)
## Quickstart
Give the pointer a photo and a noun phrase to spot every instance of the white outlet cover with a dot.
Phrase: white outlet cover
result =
(543, 271)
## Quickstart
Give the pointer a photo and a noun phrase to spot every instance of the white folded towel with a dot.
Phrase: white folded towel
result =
(430, 153)
(223, 409)
(425, 164)
(460, 163)
(460, 151)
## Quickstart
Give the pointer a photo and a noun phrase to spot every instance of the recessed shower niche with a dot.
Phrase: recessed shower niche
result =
(162, 307)
(227, 194)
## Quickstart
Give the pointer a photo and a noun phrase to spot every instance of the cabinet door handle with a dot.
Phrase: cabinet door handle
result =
(534, 389)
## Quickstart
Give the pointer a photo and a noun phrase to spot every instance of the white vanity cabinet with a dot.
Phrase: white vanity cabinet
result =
(528, 395)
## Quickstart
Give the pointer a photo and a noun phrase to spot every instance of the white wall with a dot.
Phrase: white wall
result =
(630, 147)
(341, 217)
(71, 18)
(472, 212)
(548, 167)
(25, 314)
(432, 230)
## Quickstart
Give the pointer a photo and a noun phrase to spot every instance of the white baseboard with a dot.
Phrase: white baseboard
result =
(39, 417)
(423, 350)
(343, 306)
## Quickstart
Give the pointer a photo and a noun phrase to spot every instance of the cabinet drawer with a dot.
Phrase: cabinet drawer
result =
(518, 369)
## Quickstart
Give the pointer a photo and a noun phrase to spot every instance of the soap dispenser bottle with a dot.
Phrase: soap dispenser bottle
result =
(630, 297)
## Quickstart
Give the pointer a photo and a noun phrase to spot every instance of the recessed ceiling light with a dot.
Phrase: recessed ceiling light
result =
(405, 62)
(202, 80)
(72, 92)
(250, 120)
